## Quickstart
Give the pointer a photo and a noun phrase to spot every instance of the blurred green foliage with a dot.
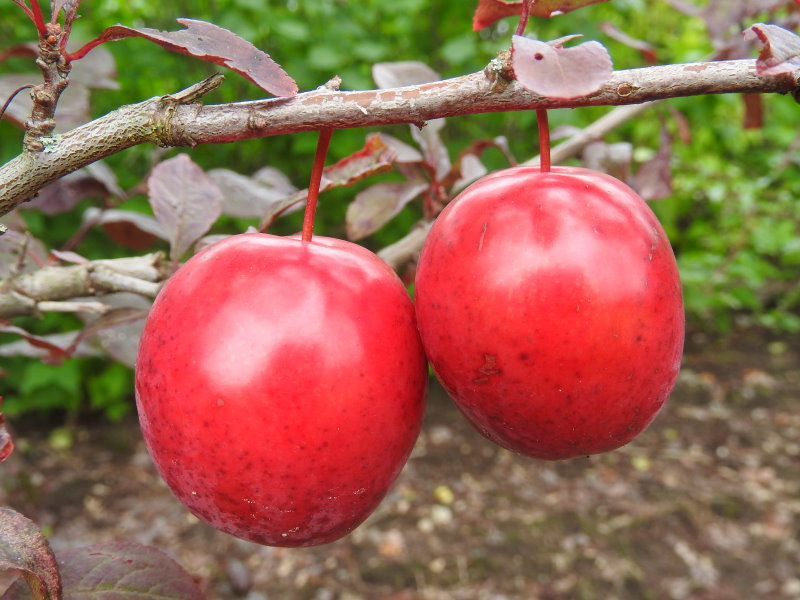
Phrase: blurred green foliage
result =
(733, 217)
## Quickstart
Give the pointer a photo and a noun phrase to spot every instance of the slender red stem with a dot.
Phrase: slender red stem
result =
(85, 49)
(523, 17)
(38, 19)
(313, 186)
(544, 140)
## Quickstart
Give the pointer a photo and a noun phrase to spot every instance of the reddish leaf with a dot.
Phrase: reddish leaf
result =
(490, 11)
(375, 157)
(12, 246)
(248, 197)
(122, 571)
(24, 549)
(69, 256)
(213, 44)
(120, 338)
(70, 8)
(398, 74)
(130, 229)
(376, 205)
(55, 354)
(647, 50)
(26, 50)
(113, 318)
(63, 194)
(185, 201)
(653, 180)
(404, 153)
(560, 73)
(780, 52)
(6, 443)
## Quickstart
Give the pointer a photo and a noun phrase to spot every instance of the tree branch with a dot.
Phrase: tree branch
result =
(42, 290)
(171, 121)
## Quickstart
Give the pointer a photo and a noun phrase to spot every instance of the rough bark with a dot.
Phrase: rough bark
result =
(179, 121)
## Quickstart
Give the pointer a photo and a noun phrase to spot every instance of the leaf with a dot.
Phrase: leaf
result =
(24, 50)
(69, 257)
(646, 50)
(70, 8)
(560, 73)
(491, 11)
(25, 549)
(55, 354)
(123, 571)
(376, 205)
(62, 195)
(248, 197)
(375, 157)
(404, 153)
(113, 318)
(614, 159)
(120, 338)
(653, 180)
(433, 149)
(6, 443)
(402, 73)
(97, 70)
(781, 49)
(12, 245)
(128, 228)
(214, 44)
(185, 201)
(72, 109)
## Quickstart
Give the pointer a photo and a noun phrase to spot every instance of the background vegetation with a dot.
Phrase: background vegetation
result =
(732, 217)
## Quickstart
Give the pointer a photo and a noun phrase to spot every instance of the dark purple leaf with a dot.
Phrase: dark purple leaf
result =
(376, 205)
(471, 169)
(647, 50)
(560, 73)
(248, 197)
(6, 443)
(128, 228)
(490, 11)
(653, 180)
(399, 74)
(214, 44)
(24, 549)
(185, 201)
(780, 52)
(753, 111)
(123, 571)
(63, 194)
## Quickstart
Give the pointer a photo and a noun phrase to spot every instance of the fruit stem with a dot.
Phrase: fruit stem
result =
(544, 140)
(313, 186)
(523, 17)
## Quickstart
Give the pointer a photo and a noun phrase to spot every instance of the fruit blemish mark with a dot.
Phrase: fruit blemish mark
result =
(483, 235)
(488, 369)
(220, 402)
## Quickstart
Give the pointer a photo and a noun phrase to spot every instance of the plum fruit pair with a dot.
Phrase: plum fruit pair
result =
(281, 383)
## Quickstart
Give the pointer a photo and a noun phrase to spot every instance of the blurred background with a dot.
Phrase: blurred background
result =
(704, 505)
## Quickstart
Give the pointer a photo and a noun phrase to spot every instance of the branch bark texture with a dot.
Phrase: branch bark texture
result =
(39, 291)
(174, 121)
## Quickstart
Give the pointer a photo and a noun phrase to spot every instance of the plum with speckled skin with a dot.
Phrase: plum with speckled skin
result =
(281, 386)
(549, 304)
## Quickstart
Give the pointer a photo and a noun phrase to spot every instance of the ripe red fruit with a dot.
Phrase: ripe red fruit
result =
(281, 386)
(550, 307)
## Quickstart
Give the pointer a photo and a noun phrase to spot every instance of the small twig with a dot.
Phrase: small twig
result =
(11, 98)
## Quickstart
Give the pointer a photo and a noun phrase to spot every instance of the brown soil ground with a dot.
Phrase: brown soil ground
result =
(704, 505)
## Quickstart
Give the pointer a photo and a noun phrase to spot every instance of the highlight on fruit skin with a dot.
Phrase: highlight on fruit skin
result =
(550, 307)
(281, 386)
